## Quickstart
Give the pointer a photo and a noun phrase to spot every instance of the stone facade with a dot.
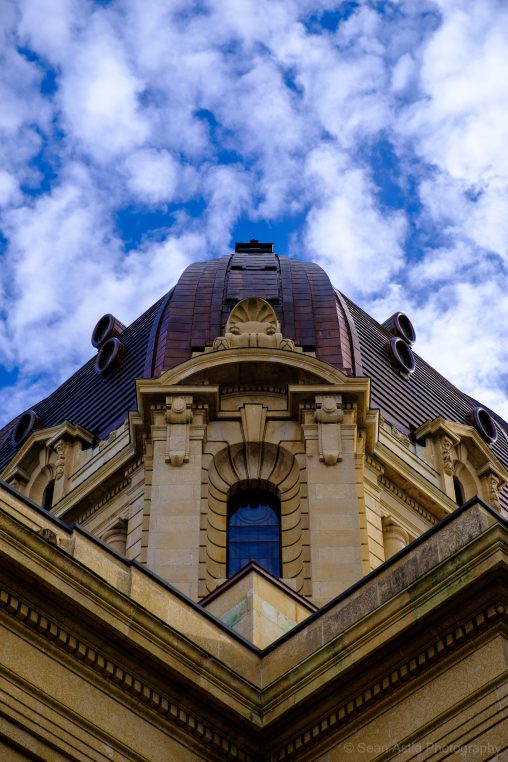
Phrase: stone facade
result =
(383, 638)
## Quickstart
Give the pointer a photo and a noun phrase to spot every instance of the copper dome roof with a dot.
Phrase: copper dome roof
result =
(308, 309)
(311, 313)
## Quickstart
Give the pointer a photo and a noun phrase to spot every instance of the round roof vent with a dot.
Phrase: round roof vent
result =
(109, 355)
(106, 328)
(24, 427)
(403, 355)
(400, 325)
(484, 424)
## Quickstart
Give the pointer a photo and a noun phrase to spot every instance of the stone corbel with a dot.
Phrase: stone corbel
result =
(444, 441)
(493, 490)
(448, 458)
(492, 483)
(178, 419)
(329, 416)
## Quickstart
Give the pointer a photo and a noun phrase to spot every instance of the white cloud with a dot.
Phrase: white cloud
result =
(244, 110)
(359, 247)
(67, 268)
(9, 188)
(152, 176)
(100, 94)
(49, 26)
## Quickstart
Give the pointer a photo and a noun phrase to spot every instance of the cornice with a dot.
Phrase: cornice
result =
(413, 504)
(150, 624)
(209, 360)
(358, 641)
(438, 504)
(199, 727)
(120, 596)
(123, 679)
(121, 460)
(443, 645)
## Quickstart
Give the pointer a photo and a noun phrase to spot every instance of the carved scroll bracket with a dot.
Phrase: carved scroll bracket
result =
(329, 415)
(61, 449)
(492, 483)
(448, 455)
(178, 419)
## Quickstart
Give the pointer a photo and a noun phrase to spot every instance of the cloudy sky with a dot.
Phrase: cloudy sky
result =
(137, 136)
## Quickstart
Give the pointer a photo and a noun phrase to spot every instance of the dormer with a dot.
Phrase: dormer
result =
(465, 460)
(45, 460)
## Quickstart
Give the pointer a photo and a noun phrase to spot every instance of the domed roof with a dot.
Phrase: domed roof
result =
(310, 312)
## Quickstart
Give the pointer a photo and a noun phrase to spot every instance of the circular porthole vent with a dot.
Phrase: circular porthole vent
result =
(109, 355)
(27, 423)
(483, 423)
(403, 356)
(403, 336)
(107, 327)
(105, 339)
(400, 325)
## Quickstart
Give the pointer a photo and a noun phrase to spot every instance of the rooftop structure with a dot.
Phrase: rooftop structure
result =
(256, 525)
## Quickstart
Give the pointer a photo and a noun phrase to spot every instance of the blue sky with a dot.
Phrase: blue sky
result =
(138, 136)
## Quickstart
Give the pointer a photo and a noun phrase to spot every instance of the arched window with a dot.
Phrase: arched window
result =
(254, 531)
(459, 491)
(47, 495)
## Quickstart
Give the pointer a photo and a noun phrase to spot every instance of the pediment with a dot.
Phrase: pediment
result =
(36, 451)
(460, 435)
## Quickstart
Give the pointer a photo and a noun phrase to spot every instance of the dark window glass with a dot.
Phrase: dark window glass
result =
(254, 531)
(459, 491)
(47, 495)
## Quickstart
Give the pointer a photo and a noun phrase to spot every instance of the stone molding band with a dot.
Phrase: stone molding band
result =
(204, 731)
(123, 679)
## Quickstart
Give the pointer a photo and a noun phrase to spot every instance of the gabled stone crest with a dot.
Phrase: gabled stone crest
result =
(253, 323)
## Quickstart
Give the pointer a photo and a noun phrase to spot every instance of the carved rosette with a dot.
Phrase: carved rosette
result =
(178, 419)
(329, 416)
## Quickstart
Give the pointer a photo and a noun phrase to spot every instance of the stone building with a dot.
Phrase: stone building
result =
(255, 526)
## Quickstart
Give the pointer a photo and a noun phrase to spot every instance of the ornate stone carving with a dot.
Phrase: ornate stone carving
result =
(329, 417)
(60, 449)
(398, 435)
(178, 418)
(48, 535)
(446, 455)
(493, 491)
(253, 323)
(221, 342)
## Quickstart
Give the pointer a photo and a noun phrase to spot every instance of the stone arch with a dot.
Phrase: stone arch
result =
(39, 481)
(465, 473)
(255, 465)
